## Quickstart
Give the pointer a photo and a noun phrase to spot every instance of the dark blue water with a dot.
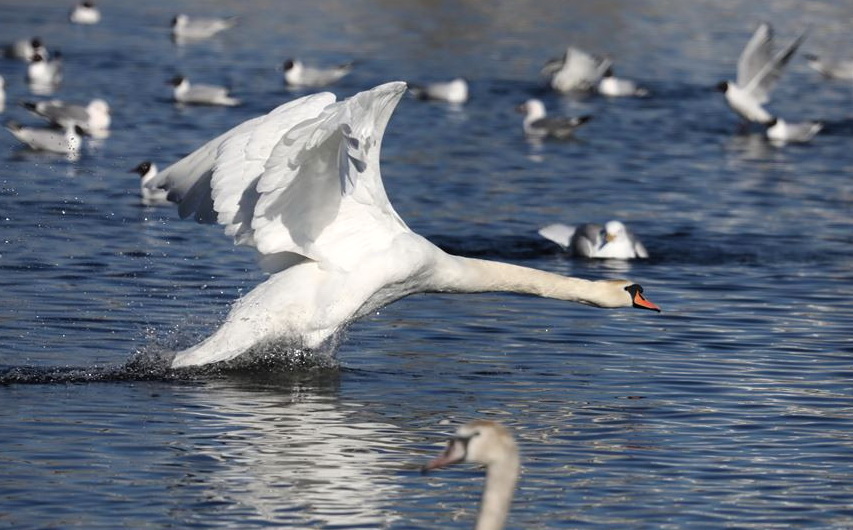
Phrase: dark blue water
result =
(733, 408)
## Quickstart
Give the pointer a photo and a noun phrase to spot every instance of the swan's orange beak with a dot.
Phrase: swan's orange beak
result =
(640, 301)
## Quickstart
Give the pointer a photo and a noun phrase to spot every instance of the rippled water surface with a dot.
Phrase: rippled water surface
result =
(732, 408)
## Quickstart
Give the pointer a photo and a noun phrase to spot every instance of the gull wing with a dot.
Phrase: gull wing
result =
(759, 68)
(558, 233)
(301, 182)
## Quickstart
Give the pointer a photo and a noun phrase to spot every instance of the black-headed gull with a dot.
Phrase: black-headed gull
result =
(302, 186)
(94, 118)
(538, 126)
(149, 196)
(67, 141)
(758, 69)
(298, 74)
(184, 92)
(837, 69)
(189, 28)
(25, 49)
(617, 87)
(454, 91)
(85, 13)
(45, 75)
(591, 240)
(576, 71)
(780, 131)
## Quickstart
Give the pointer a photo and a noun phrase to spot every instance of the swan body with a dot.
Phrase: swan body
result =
(298, 74)
(302, 186)
(538, 126)
(454, 91)
(758, 71)
(590, 240)
(490, 444)
(188, 94)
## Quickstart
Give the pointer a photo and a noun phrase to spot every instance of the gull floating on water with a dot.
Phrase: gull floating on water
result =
(538, 126)
(302, 185)
(66, 142)
(199, 28)
(591, 240)
(85, 13)
(576, 71)
(780, 131)
(149, 196)
(839, 69)
(2, 93)
(25, 49)
(454, 91)
(298, 74)
(186, 93)
(94, 118)
(758, 70)
(44, 75)
(616, 87)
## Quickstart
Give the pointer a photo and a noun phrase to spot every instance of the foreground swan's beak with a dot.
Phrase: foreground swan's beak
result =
(453, 454)
(640, 301)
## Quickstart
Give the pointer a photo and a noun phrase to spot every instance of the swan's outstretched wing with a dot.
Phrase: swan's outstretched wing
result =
(758, 67)
(300, 182)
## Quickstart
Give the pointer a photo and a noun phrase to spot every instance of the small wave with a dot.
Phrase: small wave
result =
(267, 361)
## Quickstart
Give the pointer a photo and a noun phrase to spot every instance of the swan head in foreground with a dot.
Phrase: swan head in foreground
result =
(490, 444)
(302, 186)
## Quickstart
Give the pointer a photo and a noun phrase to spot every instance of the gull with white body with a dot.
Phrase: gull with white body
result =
(186, 28)
(94, 118)
(781, 132)
(299, 75)
(576, 71)
(454, 91)
(189, 94)
(66, 142)
(613, 240)
(538, 126)
(148, 195)
(86, 12)
(758, 70)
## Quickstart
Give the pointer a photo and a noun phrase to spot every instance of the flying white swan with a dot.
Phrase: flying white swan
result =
(489, 444)
(302, 185)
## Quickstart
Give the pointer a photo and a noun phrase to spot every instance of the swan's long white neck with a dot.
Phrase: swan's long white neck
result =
(469, 275)
(497, 493)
